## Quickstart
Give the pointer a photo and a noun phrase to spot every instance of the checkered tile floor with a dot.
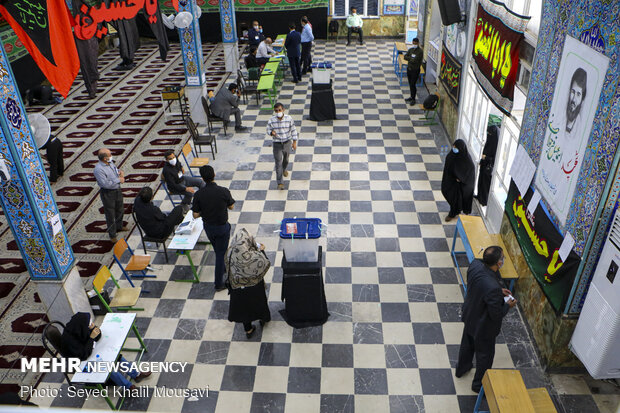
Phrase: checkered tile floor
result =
(391, 341)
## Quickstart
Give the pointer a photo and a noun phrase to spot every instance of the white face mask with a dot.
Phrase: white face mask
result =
(172, 161)
(280, 114)
(110, 159)
(415, 46)
(255, 27)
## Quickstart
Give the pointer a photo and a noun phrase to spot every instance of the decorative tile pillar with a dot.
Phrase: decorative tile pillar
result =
(191, 47)
(28, 204)
(25, 194)
(229, 34)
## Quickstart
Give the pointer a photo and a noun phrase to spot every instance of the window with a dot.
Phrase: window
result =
(365, 8)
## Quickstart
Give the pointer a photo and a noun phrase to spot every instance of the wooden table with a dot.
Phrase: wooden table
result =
(476, 239)
(184, 244)
(506, 392)
(399, 48)
(114, 331)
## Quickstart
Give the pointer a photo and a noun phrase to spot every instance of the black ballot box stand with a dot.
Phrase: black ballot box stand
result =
(322, 105)
(303, 293)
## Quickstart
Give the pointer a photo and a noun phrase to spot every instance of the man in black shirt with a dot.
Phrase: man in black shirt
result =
(414, 58)
(212, 204)
(486, 304)
(178, 183)
(153, 222)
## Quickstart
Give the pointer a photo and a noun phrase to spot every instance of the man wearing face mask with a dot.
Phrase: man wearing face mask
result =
(486, 304)
(255, 34)
(414, 58)
(281, 128)
(110, 178)
(177, 182)
(354, 25)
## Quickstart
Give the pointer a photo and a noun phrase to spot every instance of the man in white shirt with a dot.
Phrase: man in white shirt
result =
(265, 51)
(354, 25)
(281, 129)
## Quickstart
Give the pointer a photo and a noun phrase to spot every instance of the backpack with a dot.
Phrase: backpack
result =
(333, 26)
(430, 102)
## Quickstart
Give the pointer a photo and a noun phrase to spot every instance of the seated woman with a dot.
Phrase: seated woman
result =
(78, 340)
(246, 265)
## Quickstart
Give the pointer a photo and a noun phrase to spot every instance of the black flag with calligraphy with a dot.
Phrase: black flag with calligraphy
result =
(50, 45)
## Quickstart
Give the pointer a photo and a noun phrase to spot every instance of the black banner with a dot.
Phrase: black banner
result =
(540, 241)
(450, 74)
(31, 15)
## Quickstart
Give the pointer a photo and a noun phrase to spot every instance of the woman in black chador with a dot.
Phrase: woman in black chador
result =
(457, 183)
(486, 165)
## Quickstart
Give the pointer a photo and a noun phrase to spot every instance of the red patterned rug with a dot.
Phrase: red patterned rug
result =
(127, 117)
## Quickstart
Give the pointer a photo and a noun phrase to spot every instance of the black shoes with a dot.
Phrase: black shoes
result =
(475, 387)
(409, 100)
(125, 67)
(250, 333)
(241, 128)
(461, 372)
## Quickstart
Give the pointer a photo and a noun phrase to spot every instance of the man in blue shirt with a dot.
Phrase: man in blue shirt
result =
(255, 34)
(292, 42)
(306, 45)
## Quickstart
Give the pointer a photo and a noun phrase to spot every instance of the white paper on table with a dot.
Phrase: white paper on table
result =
(567, 246)
(522, 170)
(531, 207)
(56, 224)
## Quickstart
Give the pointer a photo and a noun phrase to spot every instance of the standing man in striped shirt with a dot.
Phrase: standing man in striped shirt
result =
(281, 128)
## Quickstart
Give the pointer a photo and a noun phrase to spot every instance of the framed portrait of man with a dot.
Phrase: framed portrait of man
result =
(575, 100)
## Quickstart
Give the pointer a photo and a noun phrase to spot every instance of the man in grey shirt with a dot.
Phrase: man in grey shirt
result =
(110, 179)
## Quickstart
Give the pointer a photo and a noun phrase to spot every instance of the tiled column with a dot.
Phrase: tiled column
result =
(25, 194)
(28, 204)
(229, 35)
(191, 47)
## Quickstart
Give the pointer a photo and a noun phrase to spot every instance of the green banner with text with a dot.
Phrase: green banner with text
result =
(540, 242)
(213, 6)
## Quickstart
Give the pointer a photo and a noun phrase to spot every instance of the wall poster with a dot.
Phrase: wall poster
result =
(540, 243)
(495, 52)
(575, 100)
(393, 7)
(450, 74)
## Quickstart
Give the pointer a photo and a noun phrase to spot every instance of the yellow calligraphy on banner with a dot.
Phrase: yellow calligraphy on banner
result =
(451, 75)
(490, 46)
(518, 208)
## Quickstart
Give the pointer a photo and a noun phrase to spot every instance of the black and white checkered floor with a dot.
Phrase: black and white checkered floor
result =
(391, 341)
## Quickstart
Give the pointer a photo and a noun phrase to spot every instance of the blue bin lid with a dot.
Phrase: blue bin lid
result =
(297, 228)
